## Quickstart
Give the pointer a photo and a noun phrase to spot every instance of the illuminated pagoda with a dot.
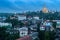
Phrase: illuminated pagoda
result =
(45, 10)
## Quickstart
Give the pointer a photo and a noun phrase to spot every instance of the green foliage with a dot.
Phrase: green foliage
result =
(47, 36)
(13, 21)
(54, 24)
(2, 33)
(7, 36)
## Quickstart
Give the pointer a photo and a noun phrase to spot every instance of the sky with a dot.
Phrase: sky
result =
(27, 5)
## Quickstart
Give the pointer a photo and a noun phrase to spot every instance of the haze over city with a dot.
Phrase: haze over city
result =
(29, 19)
(27, 5)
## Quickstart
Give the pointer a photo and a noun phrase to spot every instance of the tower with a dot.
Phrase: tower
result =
(45, 10)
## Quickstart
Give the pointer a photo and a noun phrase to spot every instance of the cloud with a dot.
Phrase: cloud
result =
(21, 5)
(47, 1)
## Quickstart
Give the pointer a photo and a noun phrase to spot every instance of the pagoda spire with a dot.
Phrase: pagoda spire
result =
(44, 10)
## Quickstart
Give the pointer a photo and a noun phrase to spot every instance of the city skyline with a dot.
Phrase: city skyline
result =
(28, 5)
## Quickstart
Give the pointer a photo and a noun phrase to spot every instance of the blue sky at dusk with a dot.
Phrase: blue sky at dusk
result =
(26, 5)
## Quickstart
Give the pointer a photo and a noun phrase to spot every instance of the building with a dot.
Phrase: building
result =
(45, 10)
(29, 18)
(23, 31)
(42, 28)
(58, 24)
(12, 34)
(2, 19)
(33, 28)
(12, 31)
(5, 24)
(25, 38)
(36, 17)
(21, 17)
(48, 25)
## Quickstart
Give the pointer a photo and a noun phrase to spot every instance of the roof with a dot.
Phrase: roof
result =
(25, 38)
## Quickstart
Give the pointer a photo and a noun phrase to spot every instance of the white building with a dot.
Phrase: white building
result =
(21, 17)
(36, 17)
(2, 19)
(29, 18)
(58, 24)
(23, 31)
(5, 24)
(47, 24)
(42, 28)
(33, 27)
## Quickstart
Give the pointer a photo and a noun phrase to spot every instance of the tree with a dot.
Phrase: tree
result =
(6, 35)
(13, 21)
(47, 36)
(3, 34)
(54, 24)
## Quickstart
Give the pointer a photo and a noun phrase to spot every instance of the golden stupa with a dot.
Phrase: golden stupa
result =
(44, 10)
